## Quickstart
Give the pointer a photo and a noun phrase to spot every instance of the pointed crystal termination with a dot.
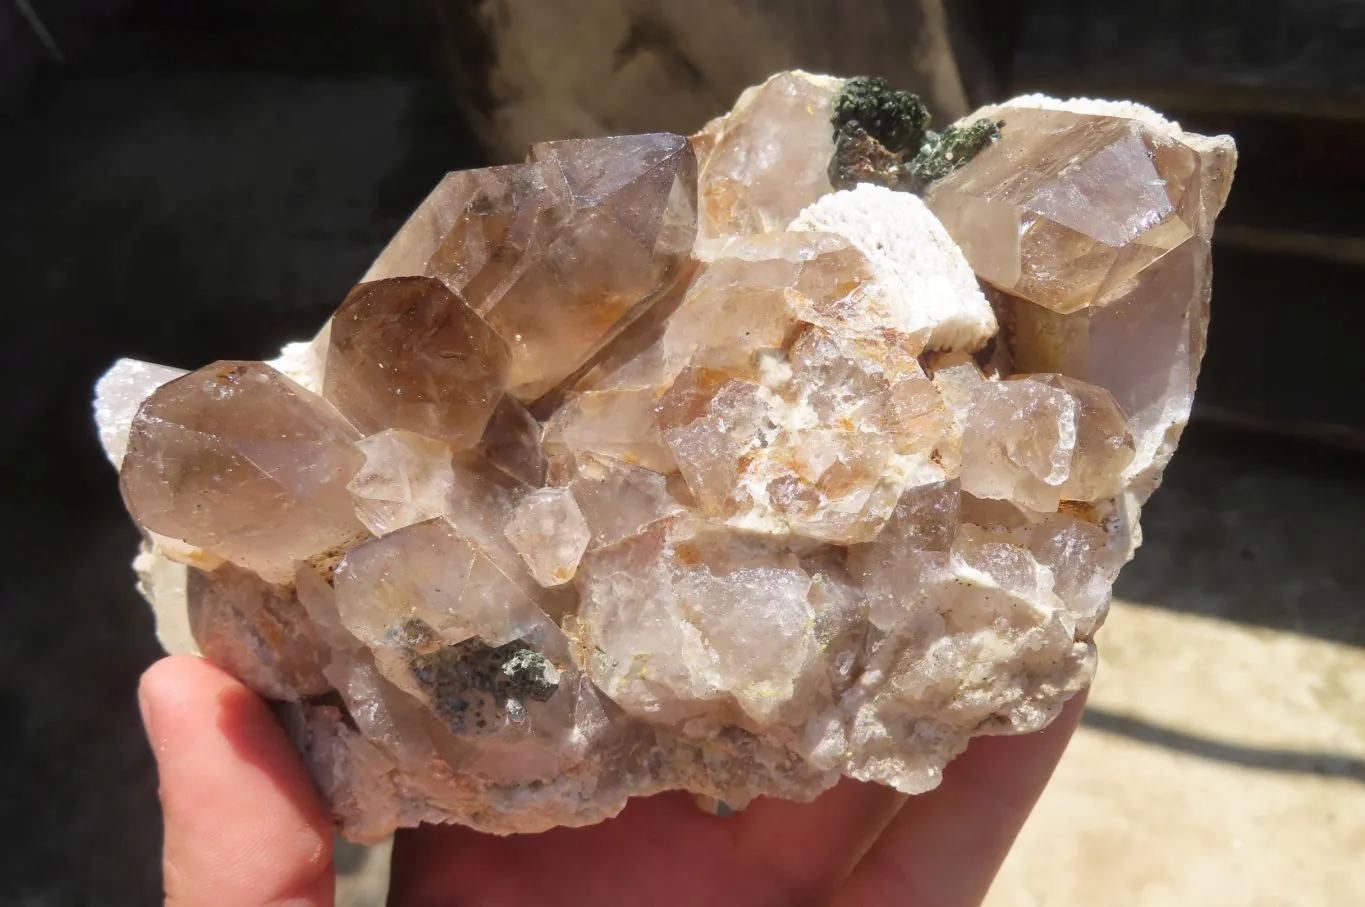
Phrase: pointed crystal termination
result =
(618, 501)
(406, 479)
(240, 461)
(512, 443)
(1107, 196)
(430, 572)
(1041, 440)
(549, 532)
(1094, 220)
(408, 353)
(560, 254)
(473, 232)
(768, 158)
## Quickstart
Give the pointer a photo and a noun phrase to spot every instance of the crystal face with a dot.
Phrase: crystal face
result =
(408, 353)
(1105, 194)
(1128, 203)
(768, 159)
(561, 253)
(210, 454)
(656, 463)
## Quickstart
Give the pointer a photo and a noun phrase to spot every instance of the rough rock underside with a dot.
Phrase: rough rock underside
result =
(657, 462)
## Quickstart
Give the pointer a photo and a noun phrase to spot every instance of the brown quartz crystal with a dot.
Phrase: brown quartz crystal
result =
(560, 253)
(409, 353)
(240, 461)
(656, 463)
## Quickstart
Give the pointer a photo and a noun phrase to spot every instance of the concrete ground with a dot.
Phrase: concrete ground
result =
(206, 202)
(1221, 761)
(1218, 765)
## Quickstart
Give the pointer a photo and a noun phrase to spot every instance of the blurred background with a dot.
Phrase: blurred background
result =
(188, 181)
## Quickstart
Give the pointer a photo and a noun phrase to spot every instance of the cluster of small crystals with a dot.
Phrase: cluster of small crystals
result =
(657, 463)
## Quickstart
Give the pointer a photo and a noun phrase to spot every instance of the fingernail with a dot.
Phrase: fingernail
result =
(713, 806)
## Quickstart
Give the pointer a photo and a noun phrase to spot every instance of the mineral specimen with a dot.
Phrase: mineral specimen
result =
(658, 463)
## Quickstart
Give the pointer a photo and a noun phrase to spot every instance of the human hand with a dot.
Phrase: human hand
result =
(244, 828)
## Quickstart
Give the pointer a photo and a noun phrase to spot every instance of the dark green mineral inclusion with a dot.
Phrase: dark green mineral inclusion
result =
(882, 136)
(896, 119)
(859, 158)
(942, 154)
(529, 674)
(455, 675)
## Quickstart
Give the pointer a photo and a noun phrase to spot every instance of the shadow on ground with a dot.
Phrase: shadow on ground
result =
(1257, 529)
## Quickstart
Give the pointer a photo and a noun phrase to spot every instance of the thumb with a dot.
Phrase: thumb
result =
(243, 826)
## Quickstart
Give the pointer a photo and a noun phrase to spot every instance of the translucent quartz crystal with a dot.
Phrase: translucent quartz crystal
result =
(408, 353)
(240, 461)
(511, 442)
(550, 534)
(1128, 203)
(618, 500)
(613, 423)
(709, 628)
(431, 573)
(1041, 439)
(406, 479)
(769, 158)
(803, 408)
(1107, 195)
(560, 253)
(601, 511)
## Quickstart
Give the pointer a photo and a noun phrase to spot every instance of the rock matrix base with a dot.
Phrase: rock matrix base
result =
(808, 446)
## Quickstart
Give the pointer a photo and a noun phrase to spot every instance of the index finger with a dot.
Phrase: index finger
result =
(945, 847)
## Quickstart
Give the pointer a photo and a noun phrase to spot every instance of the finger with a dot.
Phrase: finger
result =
(243, 825)
(945, 847)
(661, 844)
(814, 846)
(774, 853)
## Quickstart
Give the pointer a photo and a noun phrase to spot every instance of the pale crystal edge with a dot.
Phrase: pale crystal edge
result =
(119, 394)
(114, 408)
(1219, 153)
(1128, 110)
(746, 97)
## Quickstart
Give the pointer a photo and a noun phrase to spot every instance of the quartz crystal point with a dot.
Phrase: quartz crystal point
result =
(406, 479)
(656, 463)
(240, 461)
(766, 160)
(560, 253)
(408, 353)
(1109, 196)
(1127, 202)
(549, 532)
(511, 442)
